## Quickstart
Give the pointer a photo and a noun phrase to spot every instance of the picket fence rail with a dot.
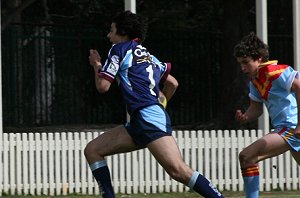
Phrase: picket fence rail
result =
(54, 164)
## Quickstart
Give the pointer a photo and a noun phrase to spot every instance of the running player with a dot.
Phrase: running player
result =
(278, 87)
(138, 74)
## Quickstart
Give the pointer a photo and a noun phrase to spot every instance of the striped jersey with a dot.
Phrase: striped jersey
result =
(137, 72)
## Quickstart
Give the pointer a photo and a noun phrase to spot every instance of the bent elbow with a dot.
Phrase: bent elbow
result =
(102, 85)
(175, 84)
(102, 89)
(171, 82)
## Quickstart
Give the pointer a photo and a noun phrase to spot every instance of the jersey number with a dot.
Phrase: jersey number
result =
(152, 82)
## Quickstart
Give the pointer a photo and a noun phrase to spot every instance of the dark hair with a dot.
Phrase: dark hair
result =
(130, 24)
(252, 46)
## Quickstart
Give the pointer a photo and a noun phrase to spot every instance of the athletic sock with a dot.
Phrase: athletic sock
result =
(102, 176)
(251, 181)
(203, 186)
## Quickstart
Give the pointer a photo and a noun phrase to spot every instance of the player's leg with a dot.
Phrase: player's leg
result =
(294, 144)
(111, 142)
(296, 156)
(268, 146)
(166, 152)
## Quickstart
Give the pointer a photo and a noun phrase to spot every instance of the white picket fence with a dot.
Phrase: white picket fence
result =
(54, 164)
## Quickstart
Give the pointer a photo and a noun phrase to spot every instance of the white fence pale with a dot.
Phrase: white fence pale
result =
(54, 164)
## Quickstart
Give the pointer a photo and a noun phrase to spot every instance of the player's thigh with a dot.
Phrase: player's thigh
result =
(167, 153)
(268, 146)
(296, 156)
(116, 140)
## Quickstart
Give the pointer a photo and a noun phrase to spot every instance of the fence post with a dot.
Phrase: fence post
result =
(1, 121)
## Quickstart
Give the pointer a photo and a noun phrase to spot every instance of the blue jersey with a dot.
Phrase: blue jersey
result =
(272, 86)
(137, 72)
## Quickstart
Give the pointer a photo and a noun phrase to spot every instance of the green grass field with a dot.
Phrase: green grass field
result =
(272, 194)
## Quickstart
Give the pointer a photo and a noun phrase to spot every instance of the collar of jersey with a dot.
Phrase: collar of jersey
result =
(271, 62)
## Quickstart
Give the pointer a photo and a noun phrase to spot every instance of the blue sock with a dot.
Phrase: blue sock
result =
(202, 186)
(251, 181)
(102, 176)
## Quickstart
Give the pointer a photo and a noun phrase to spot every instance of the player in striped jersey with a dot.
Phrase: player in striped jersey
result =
(278, 87)
(139, 75)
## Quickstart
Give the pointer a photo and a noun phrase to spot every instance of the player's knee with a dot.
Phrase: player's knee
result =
(89, 150)
(86, 151)
(245, 159)
(177, 172)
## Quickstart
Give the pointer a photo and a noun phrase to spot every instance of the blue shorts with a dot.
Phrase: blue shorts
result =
(149, 124)
(288, 135)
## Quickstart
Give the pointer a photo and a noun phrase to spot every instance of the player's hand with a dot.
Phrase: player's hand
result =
(240, 117)
(94, 58)
(162, 99)
(297, 132)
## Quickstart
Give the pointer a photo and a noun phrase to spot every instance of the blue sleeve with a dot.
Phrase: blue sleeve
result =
(286, 79)
(165, 68)
(112, 65)
(254, 94)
